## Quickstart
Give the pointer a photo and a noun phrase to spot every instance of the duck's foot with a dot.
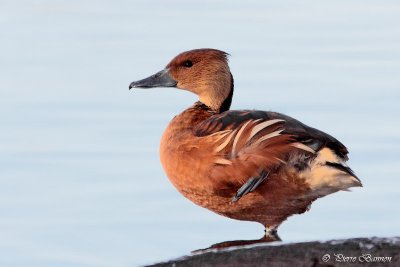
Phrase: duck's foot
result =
(271, 233)
(237, 243)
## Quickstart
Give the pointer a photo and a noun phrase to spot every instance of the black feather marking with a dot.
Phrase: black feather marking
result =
(228, 101)
(342, 168)
(250, 185)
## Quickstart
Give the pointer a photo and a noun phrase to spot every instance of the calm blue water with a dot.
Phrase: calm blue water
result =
(80, 179)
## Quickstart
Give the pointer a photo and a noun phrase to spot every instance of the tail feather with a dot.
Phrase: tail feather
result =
(343, 168)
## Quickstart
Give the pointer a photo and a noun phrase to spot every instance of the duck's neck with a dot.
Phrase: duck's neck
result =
(221, 98)
(189, 118)
(226, 104)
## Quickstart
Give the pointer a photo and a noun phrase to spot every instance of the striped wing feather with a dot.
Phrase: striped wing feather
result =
(302, 133)
(247, 143)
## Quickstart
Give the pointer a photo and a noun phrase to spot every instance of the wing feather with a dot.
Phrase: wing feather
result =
(250, 143)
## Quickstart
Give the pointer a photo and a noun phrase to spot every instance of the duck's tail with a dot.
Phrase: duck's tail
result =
(329, 173)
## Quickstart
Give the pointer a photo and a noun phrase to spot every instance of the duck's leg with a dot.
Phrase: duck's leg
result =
(271, 233)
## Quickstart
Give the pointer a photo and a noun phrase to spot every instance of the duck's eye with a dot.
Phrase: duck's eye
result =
(188, 63)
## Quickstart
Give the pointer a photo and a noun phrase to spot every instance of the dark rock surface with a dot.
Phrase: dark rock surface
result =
(364, 252)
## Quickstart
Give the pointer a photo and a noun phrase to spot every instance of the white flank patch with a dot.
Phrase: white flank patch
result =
(323, 179)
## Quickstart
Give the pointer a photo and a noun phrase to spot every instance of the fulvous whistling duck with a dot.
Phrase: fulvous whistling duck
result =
(243, 164)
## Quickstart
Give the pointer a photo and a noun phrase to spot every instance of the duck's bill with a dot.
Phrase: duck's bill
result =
(160, 79)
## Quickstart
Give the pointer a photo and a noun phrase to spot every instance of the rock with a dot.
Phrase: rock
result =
(347, 252)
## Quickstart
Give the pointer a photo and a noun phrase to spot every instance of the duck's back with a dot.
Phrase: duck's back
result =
(252, 165)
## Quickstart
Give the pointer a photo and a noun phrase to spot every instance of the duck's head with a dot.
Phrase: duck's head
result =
(204, 72)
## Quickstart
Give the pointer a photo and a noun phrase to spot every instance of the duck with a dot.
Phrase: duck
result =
(250, 165)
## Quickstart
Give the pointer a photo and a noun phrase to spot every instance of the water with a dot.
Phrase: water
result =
(80, 179)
